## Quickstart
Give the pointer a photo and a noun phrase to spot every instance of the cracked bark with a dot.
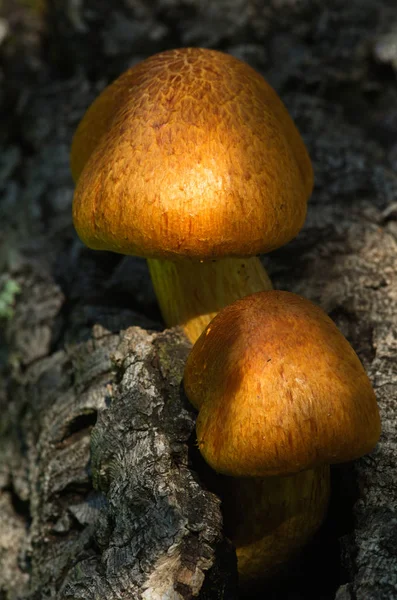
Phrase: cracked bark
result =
(99, 496)
(97, 443)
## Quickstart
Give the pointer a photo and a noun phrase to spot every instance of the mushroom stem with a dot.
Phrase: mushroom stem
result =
(270, 519)
(190, 293)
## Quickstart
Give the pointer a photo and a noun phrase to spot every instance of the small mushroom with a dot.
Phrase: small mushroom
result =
(191, 160)
(281, 395)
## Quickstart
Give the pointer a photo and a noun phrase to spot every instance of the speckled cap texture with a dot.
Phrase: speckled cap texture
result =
(190, 153)
(279, 389)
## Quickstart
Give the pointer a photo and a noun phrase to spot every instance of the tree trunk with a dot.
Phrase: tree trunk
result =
(100, 495)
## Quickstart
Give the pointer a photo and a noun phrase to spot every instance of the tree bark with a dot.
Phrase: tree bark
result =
(98, 434)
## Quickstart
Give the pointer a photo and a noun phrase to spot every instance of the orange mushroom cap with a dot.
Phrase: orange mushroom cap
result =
(189, 154)
(279, 389)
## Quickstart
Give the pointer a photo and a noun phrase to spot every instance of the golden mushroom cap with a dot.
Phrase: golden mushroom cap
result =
(279, 389)
(190, 153)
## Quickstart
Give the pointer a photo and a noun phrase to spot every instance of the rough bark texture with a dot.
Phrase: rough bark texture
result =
(98, 496)
(115, 508)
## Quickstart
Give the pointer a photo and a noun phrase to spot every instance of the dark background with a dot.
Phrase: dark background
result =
(334, 63)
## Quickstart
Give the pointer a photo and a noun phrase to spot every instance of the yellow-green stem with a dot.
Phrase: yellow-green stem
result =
(271, 519)
(191, 293)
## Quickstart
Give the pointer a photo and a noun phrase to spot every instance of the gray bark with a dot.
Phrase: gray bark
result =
(98, 493)
(116, 508)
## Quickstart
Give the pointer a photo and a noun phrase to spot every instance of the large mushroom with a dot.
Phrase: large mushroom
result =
(281, 395)
(191, 160)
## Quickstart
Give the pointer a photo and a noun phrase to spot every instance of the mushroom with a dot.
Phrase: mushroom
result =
(281, 395)
(191, 160)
